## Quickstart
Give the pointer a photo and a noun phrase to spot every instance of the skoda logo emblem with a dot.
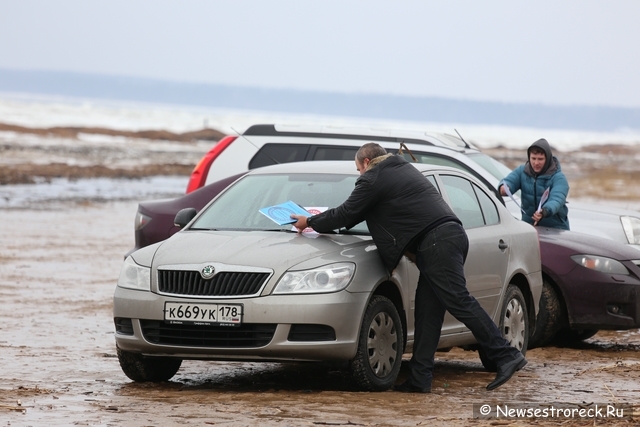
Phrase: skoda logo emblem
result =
(208, 272)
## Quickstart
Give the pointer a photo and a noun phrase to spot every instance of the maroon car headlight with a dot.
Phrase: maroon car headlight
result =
(140, 221)
(601, 264)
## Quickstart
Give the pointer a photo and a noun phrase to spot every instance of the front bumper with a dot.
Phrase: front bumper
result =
(268, 319)
(602, 301)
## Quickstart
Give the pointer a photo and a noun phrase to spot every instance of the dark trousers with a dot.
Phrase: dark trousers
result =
(440, 257)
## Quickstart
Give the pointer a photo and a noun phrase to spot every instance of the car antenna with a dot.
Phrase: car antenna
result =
(256, 147)
(466, 144)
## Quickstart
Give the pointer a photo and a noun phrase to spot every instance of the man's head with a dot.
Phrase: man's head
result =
(537, 159)
(540, 156)
(366, 153)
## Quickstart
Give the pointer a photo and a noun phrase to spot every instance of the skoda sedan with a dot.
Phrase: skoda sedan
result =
(234, 285)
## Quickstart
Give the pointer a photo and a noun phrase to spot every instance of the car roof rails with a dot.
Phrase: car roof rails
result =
(270, 130)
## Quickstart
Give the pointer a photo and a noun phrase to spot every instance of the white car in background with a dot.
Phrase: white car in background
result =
(262, 145)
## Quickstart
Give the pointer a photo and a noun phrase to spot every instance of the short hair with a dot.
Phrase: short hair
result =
(537, 150)
(370, 151)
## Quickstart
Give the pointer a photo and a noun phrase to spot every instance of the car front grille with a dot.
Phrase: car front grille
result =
(225, 283)
(247, 335)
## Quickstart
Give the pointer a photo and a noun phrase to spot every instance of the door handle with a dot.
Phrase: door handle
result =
(502, 245)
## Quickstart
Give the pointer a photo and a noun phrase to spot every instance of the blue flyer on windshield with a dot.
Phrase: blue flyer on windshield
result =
(281, 214)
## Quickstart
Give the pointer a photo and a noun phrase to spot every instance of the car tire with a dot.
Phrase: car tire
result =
(549, 316)
(572, 336)
(141, 369)
(514, 325)
(380, 347)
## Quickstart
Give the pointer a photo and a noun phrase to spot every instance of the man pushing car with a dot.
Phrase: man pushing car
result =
(406, 215)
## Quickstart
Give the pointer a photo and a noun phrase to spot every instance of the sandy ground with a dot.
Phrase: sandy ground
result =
(59, 267)
(59, 263)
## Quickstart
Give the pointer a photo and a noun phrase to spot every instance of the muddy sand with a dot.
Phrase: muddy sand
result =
(58, 269)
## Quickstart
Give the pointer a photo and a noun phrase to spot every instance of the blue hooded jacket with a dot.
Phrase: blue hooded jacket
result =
(533, 185)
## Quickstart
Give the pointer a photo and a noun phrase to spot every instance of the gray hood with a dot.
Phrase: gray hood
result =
(278, 251)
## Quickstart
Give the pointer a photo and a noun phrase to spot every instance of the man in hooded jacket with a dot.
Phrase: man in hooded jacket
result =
(540, 172)
(406, 215)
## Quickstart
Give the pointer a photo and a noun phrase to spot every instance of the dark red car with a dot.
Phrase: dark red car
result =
(591, 283)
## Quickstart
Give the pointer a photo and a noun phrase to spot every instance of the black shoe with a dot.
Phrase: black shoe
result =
(506, 371)
(407, 387)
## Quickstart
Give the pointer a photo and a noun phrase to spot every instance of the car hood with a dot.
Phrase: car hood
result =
(602, 208)
(586, 244)
(273, 250)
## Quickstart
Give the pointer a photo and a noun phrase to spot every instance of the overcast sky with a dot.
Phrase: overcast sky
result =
(569, 52)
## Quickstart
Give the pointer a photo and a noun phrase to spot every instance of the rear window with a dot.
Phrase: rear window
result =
(273, 154)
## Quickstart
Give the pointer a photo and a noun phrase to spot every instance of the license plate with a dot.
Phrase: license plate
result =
(203, 314)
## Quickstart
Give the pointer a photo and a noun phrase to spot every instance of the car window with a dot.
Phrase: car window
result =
(275, 153)
(333, 153)
(489, 210)
(238, 207)
(272, 154)
(432, 159)
(491, 165)
(432, 180)
(463, 200)
(435, 159)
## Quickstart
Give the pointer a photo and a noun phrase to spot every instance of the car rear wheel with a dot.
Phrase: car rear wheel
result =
(514, 325)
(549, 315)
(380, 347)
(141, 368)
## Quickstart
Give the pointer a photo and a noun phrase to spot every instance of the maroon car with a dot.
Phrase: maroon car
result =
(591, 283)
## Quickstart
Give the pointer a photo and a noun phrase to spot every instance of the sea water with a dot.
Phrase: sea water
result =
(47, 111)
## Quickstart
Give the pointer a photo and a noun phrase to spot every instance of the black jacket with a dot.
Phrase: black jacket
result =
(397, 202)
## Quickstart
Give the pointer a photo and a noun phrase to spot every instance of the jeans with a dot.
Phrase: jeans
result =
(440, 257)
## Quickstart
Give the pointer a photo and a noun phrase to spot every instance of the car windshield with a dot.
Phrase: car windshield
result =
(491, 165)
(238, 208)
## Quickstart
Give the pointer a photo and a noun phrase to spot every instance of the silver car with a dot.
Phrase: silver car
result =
(233, 285)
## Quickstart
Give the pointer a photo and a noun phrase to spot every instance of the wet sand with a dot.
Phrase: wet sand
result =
(58, 269)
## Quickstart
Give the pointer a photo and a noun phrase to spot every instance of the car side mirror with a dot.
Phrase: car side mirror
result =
(184, 217)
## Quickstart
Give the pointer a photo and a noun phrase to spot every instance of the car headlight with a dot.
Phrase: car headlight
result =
(601, 264)
(330, 278)
(140, 220)
(134, 276)
(631, 227)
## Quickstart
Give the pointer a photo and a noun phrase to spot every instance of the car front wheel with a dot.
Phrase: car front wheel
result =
(549, 316)
(514, 324)
(380, 347)
(154, 369)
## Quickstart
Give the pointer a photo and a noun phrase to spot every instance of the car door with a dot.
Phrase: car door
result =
(489, 242)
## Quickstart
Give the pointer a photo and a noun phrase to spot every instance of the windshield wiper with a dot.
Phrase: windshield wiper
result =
(354, 232)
